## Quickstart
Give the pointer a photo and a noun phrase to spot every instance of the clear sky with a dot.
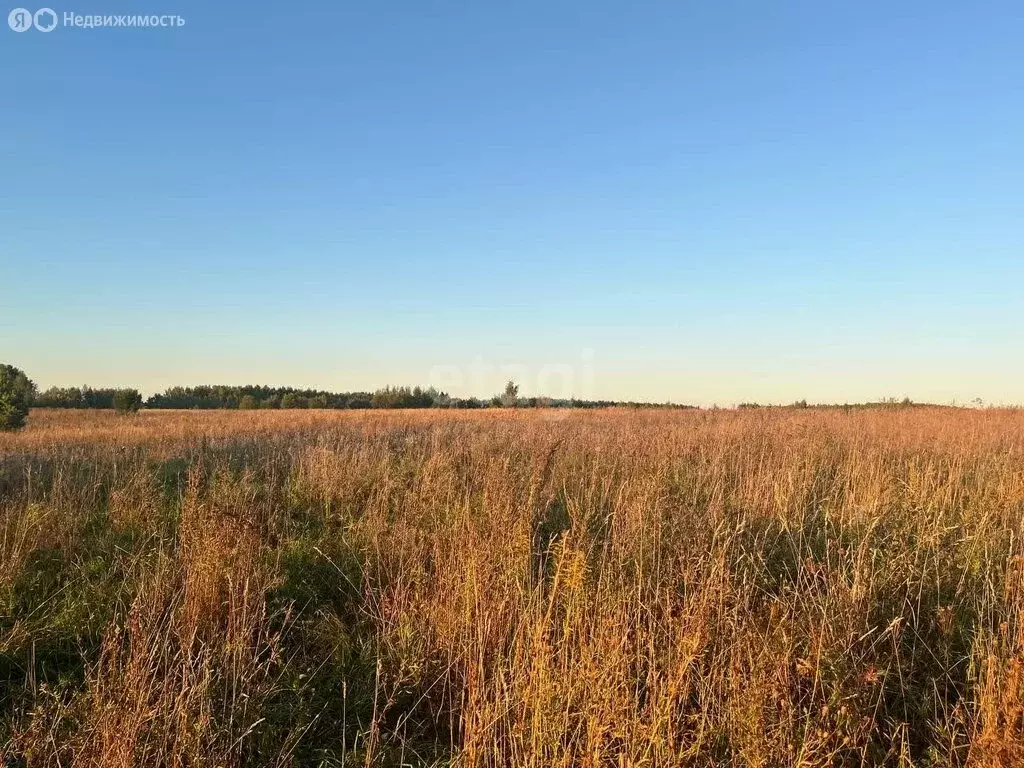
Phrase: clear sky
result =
(705, 202)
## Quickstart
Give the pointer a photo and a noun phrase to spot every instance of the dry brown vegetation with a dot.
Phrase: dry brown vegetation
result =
(614, 588)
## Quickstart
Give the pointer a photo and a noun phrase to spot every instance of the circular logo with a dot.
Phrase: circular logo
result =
(45, 19)
(20, 20)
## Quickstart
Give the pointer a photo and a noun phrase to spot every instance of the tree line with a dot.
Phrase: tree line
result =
(254, 397)
(89, 397)
(18, 394)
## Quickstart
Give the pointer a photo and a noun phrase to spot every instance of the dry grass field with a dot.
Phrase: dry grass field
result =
(507, 588)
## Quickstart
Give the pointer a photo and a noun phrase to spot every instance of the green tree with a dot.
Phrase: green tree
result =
(127, 400)
(16, 394)
(248, 403)
(510, 397)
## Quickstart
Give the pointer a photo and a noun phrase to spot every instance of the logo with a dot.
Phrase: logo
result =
(45, 19)
(20, 20)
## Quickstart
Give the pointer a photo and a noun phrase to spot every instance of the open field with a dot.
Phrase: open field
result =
(505, 588)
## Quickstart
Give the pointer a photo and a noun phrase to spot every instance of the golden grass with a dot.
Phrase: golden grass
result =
(513, 588)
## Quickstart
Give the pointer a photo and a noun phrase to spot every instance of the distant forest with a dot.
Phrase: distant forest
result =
(261, 397)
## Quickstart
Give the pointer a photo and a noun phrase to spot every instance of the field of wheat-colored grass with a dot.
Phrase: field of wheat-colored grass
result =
(513, 588)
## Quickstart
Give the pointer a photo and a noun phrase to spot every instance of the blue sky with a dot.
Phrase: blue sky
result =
(702, 202)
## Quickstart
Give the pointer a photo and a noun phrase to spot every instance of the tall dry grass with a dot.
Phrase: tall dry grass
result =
(615, 588)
